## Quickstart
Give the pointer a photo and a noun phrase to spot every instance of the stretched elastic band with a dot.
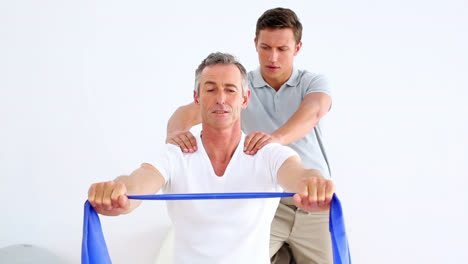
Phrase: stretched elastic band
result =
(94, 248)
(209, 196)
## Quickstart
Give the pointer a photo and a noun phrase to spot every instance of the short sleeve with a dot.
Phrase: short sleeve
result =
(164, 160)
(318, 84)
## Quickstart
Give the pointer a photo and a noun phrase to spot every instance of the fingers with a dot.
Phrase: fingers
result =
(108, 197)
(92, 194)
(315, 194)
(255, 141)
(118, 197)
(300, 199)
(330, 189)
(185, 140)
(312, 185)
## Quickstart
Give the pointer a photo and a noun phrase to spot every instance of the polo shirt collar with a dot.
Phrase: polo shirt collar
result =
(259, 82)
(294, 79)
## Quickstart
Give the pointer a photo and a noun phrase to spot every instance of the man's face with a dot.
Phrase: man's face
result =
(220, 96)
(276, 50)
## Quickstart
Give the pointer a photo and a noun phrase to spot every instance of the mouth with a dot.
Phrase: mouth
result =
(218, 112)
(273, 68)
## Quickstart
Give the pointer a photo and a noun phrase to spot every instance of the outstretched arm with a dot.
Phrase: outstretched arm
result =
(110, 198)
(313, 107)
(183, 119)
(313, 192)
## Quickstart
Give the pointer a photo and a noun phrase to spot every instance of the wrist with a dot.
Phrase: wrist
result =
(278, 138)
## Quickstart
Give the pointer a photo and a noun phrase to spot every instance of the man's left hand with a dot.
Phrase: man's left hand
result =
(315, 194)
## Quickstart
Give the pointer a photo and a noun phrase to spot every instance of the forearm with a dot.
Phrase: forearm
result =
(144, 180)
(313, 107)
(184, 118)
(293, 172)
(297, 127)
(294, 182)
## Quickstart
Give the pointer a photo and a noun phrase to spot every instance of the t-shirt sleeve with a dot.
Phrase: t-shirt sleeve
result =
(164, 161)
(318, 84)
(275, 155)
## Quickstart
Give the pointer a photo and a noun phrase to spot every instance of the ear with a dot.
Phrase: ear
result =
(256, 41)
(298, 47)
(246, 99)
(195, 97)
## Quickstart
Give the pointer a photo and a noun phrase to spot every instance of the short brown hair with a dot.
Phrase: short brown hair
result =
(280, 18)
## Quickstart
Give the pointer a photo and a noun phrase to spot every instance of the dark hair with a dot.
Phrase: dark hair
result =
(280, 18)
(220, 58)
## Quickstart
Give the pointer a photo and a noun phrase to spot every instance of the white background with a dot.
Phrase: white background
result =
(86, 89)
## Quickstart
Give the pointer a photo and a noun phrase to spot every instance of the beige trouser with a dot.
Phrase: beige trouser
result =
(306, 233)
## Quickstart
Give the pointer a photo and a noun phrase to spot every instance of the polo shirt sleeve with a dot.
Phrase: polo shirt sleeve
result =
(275, 155)
(317, 84)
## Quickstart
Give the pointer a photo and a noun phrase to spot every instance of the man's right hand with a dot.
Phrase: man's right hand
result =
(109, 198)
(183, 139)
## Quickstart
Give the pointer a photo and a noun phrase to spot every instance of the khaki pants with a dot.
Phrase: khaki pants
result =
(306, 233)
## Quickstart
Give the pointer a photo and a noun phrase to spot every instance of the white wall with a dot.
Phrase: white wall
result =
(86, 88)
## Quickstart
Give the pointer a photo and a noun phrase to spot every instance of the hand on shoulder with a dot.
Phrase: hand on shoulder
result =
(183, 139)
(257, 140)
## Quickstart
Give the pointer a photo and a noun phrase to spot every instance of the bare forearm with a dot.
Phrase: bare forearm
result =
(293, 171)
(297, 127)
(293, 183)
(144, 180)
(184, 118)
(312, 109)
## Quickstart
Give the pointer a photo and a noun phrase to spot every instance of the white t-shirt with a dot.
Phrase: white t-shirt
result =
(222, 231)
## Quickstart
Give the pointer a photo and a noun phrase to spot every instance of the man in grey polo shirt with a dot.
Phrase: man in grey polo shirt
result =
(286, 106)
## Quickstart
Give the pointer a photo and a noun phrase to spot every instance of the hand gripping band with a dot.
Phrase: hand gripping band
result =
(94, 249)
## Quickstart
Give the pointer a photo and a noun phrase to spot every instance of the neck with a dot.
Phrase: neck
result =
(276, 83)
(221, 143)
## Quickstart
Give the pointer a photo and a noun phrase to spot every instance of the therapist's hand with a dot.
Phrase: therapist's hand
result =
(109, 198)
(184, 140)
(257, 140)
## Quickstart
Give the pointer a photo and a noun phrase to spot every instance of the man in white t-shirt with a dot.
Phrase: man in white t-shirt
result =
(219, 231)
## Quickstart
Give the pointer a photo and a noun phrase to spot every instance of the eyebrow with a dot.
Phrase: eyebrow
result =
(282, 46)
(225, 85)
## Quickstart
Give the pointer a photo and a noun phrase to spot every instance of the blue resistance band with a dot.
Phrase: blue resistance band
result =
(210, 196)
(94, 248)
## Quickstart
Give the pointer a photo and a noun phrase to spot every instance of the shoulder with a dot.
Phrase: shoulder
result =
(255, 77)
(313, 82)
(272, 146)
(276, 148)
(311, 77)
(174, 152)
(253, 73)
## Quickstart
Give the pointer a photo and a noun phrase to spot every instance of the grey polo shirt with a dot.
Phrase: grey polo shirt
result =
(268, 110)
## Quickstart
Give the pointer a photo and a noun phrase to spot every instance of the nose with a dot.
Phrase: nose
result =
(273, 55)
(221, 98)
